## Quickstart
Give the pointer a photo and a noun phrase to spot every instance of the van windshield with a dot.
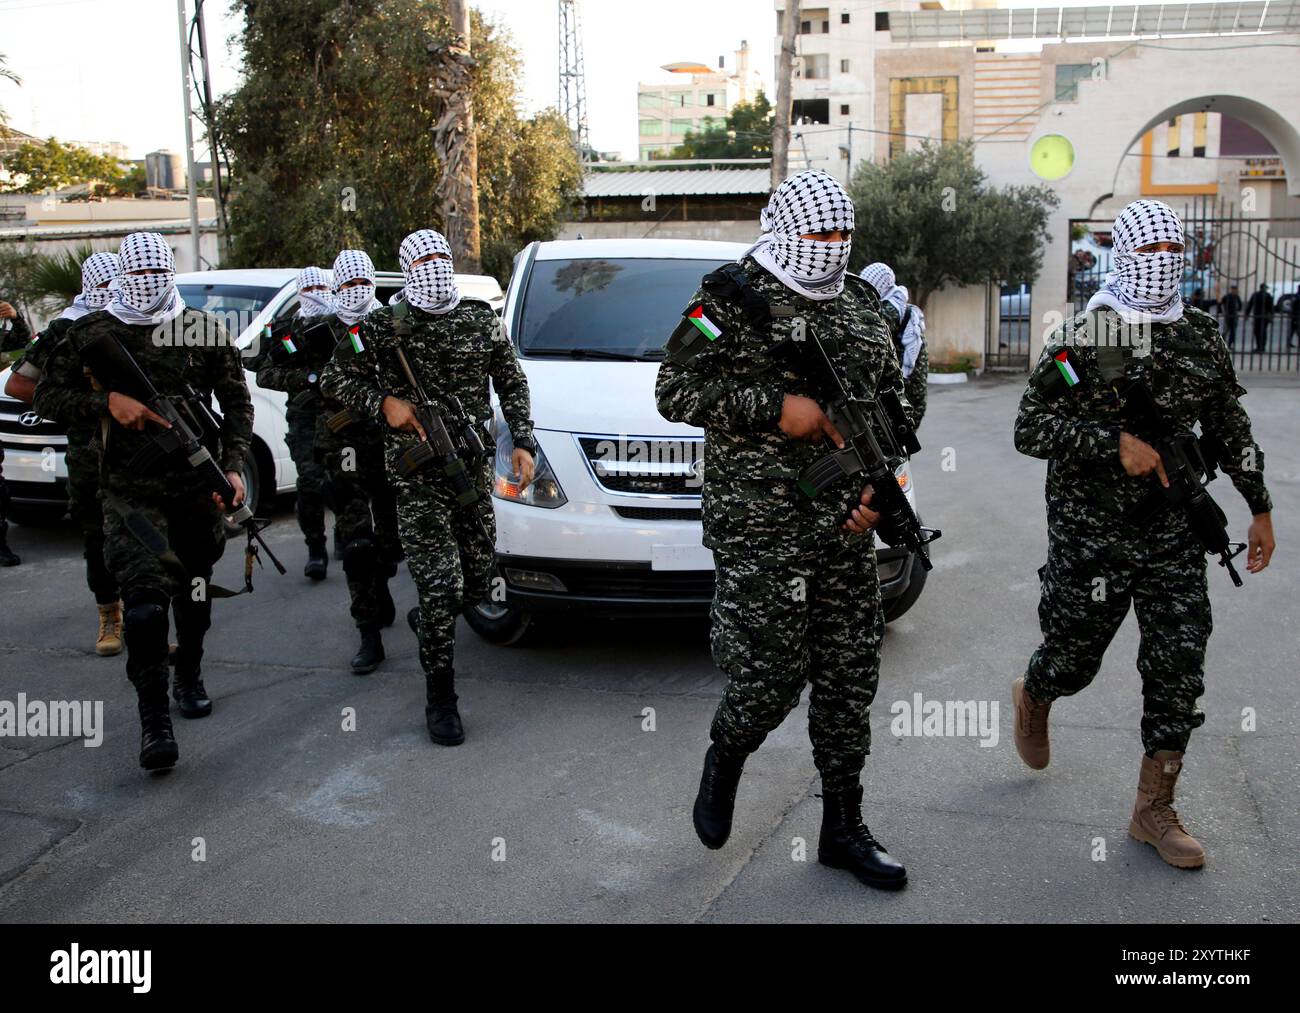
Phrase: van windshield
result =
(606, 309)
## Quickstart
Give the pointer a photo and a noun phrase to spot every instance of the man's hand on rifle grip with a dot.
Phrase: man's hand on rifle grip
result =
(862, 519)
(1260, 543)
(131, 414)
(802, 418)
(400, 415)
(1141, 459)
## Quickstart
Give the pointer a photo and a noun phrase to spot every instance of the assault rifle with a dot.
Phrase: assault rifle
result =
(1189, 462)
(877, 438)
(194, 429)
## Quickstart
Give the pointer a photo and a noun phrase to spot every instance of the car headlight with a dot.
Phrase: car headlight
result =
(545, 489)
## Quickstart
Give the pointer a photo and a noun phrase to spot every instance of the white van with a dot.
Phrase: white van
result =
(612, 523)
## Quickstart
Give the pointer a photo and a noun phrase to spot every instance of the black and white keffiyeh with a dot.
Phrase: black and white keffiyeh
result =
(430, 286)
(811, 201)
(146, 298)
(314, 304)
(98, 272)
(912, 338)
(880, 276)
(1144, 287)
(351, 304)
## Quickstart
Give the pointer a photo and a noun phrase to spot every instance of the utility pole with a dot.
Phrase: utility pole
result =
(455, 142)
(784, 100)
(189, 134)
(210, 122)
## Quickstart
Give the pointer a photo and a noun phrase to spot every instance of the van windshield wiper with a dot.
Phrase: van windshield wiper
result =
(590, 353)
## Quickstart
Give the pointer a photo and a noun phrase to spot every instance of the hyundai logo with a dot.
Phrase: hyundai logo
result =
(30, 419)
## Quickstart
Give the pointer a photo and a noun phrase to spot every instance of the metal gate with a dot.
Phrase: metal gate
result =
(1007, 332)
(1243, 269)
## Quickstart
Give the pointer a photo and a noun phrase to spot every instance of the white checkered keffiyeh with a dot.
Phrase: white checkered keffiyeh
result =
(808, 202)
(146, 298)
(430, 286)
(880, 276)
(314, 304)
(1144, 286)
(96, 270)
(351, 304)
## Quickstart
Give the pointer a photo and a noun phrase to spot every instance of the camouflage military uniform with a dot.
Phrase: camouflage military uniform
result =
(1099, 563)
(170, 498)
(798, 598)
(82, 459)
(351, 461)
(453, 355)
(279, 368)
(916, 386)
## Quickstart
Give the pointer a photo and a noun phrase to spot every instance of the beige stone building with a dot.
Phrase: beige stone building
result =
(693, 95)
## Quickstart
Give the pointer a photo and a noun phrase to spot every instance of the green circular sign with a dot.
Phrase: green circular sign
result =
(1051, 157)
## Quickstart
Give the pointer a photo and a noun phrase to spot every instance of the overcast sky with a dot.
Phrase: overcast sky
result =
(109, 70)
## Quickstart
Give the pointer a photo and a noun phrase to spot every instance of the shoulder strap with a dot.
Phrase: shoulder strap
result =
(402, 318)
(732, 284)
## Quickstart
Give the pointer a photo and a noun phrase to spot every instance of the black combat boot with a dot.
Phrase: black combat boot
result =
(318, 560)
(716, 801)
(443, 720)
(145, 632)
(371, 653)
(846, 843)
(193, 619)
(7, 557)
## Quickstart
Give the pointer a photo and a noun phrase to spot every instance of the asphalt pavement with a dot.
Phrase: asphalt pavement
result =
(311, 794)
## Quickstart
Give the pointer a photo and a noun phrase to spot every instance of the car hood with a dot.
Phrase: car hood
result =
(598, 397)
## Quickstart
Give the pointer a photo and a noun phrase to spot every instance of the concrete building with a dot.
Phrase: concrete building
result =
(696, 95)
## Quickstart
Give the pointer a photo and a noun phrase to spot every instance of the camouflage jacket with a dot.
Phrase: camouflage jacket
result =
(294, 359)
(16, 336)
(915, 386)
(211, 366)
(735, 390)
(452, 355)
(1188, 369)
(38, 350)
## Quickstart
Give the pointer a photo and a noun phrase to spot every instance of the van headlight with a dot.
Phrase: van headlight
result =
(545, 489)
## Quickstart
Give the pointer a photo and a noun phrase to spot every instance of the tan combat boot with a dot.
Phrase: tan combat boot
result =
(109, 641)
(1155, 820)
(1031, 727)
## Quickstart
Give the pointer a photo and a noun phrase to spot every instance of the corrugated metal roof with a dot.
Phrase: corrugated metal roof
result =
(678, 183)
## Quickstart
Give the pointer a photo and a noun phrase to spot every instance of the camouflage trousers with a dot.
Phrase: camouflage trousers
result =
(1087, 591)
(87, 510)
(365, 513)
(194, 531)
(779, 626)
(301, 439)
(451, 562)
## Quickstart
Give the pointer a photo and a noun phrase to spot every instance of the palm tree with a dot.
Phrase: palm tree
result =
(57, 276)
(7, 75)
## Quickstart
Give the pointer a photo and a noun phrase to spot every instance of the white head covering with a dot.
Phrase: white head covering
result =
(811, 201)
(880, 276)
(1144, 287)
(146, 298)
(432, 286)
(314, 304)
(97, 269)
(912, 338)
(351, 304)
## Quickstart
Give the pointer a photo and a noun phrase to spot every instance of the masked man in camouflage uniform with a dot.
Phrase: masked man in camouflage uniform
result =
(98, 272)
(454, 347)
(15, 333)
(175, 347)
(351, 448)
(907, 325)
(1101, 557)
(292, 363)
(798, 596)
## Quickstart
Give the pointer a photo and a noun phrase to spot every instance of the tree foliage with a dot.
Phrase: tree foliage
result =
(330, 140)
(931, 215)
(745, 133)
(53, 165)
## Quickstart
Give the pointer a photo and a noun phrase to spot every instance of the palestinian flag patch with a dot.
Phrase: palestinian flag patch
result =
(289, 346)
(707, 327)
(354, 335)
(1067, 369)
